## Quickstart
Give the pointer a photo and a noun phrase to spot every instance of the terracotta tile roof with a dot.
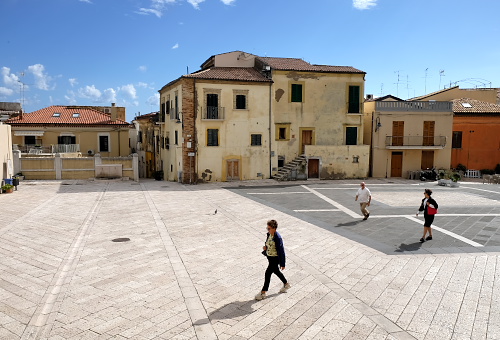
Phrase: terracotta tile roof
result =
(230, 73)
(431, 94)
(87, 116)
(476, 106)
(295, 64)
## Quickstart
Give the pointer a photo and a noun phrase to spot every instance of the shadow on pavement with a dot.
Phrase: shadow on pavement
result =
(235, 309)
(408, 247)
(347, 224)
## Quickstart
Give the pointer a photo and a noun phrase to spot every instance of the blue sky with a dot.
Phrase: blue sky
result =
(94, 52)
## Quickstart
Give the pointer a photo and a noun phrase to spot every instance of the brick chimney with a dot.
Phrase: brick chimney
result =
(114, 112)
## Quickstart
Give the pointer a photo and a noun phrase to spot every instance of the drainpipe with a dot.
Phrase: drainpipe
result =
(270, 122)
(195, 133)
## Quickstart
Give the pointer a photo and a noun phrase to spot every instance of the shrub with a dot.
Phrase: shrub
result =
(461, 167)
(497, 169)
(487, 172)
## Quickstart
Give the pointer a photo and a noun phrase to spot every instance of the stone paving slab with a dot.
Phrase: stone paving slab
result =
(193, 264)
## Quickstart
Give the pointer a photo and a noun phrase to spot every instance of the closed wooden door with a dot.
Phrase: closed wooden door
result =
(397, 164)
(307, 139)
(429, 132)
(427, 159)
(398, 131)
(233, 170)
(313, 168)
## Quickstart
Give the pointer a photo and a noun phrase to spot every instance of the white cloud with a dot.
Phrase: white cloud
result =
(87, 1)
(364, 4)
(141, 84)
(176, 46)
(142, 68)
(129, 90)
(157, 7)
(109, 96)
(72, 81)
(154, 99)
(228, 2)
(147, 11)
(90, 92)
(71, 98)
(195, 3)
(9, 79)
(5, 92)
(41, 79)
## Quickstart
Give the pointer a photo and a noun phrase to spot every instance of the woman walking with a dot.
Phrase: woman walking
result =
(275, 253)
(429, 206)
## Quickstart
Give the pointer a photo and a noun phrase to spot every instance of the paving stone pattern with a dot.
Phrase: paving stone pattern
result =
(193, 264)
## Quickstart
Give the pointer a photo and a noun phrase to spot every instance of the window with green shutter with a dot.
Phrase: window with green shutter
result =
(353, 99)
(351, 135)
(297, 93)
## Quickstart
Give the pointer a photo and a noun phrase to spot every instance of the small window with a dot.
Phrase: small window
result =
(282, 134)
(351, 135)
(176, 138)
(456, 142)
(296, 93)
(281, 161)
(213, 137)
(467, 105)
(76, 115)
(104, 143)
(56, 114)
(241, 102)
(256, 140)
(29, 140)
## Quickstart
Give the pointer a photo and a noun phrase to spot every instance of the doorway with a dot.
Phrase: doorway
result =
(397, 164)
(313, 168)
(306, 139)
(233, 170)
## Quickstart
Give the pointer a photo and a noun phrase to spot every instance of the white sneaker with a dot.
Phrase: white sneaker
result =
(260, 296)
(285, 288)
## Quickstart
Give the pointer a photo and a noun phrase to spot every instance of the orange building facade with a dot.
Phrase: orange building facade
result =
(476, 134)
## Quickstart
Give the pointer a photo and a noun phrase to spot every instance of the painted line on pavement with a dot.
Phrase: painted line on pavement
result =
(315, 210)
(332, 202)
(449, 233)
(494, 192)
(278, 193)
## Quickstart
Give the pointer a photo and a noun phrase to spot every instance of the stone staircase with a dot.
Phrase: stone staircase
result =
(284, 174)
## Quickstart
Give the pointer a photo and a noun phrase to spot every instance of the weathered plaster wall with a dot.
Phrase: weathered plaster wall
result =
(341, 161)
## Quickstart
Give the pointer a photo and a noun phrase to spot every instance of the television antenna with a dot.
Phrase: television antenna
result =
(22, 88)
(441, 75)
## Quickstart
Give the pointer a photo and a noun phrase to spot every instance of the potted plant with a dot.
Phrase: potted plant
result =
(8, 188)
(455, 177)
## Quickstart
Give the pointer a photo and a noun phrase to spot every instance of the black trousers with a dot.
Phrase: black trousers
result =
(273, 267)
(428, 219)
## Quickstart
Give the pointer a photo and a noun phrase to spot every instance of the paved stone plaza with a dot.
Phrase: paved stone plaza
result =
(192, 264)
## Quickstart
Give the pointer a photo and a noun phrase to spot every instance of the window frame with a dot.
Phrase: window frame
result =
(279, 126)
(349, 128)
(210, 138)
(293, 92)
(454, 139)
(350, 103)
(252, 140)
(107, 135)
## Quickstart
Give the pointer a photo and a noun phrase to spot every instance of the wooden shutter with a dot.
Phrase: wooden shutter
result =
(429, 132)
(398, 128)
(351, 135)
(297, 93)
(353, 99)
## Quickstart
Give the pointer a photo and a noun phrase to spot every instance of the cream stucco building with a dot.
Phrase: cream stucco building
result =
(72, 129)
(6, 157)
(408, 136)
(244, 117)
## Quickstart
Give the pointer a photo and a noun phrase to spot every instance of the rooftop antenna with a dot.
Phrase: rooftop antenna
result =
(381, 89)
(441, 75)
(397, 84)
(425, 80)
(21, 89)
(407, 86)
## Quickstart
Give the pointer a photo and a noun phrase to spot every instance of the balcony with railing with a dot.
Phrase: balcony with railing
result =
(48, 149)
(415, 142)
(213, 113)
(419, 106)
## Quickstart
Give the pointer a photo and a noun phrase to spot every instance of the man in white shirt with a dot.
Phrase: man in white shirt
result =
(364, 197)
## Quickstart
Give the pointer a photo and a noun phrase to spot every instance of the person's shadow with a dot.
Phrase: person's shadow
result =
(408, 247)
(347, 224)
(235, 309)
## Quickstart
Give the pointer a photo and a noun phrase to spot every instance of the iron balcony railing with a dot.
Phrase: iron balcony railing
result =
(415, 106)
(415, 141)
(213, 113)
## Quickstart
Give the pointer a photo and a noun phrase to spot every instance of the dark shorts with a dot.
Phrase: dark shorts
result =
(428, 219)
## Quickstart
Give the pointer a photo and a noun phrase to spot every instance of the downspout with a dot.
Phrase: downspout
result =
(195, 133)
(270, 122)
